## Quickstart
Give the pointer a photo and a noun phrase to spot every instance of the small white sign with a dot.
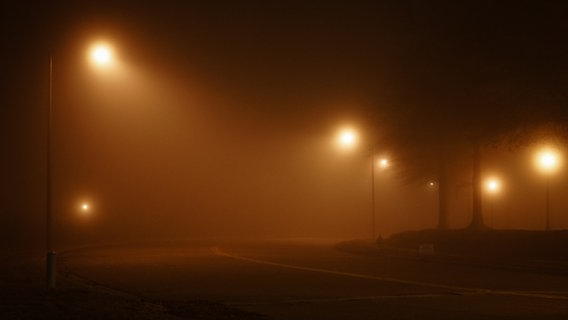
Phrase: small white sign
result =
(426, 249)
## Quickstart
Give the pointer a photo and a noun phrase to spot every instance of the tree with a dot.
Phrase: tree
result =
(458, 86)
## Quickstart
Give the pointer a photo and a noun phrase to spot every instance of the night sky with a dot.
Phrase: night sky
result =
(220, 123)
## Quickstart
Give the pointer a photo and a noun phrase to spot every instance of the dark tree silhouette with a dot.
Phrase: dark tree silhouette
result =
(466, 78)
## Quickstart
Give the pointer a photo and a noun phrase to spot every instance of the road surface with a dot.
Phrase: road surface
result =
(309, 279)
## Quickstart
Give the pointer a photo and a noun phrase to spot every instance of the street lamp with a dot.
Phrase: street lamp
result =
(384, 163)
(492, 187)
(548, 162)
(348, 138)
(84, 210)
(100, 55)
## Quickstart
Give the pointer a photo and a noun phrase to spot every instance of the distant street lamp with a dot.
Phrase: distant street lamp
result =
(347, 138)
(548, 162)
(492, 186)
(85, 209)
(100, 55)
(382, 163)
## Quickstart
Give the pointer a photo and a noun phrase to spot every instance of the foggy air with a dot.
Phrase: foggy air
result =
(397, 124)
(225, 131)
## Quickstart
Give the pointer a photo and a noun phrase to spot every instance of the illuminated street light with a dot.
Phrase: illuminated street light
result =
(85, 209)
(347, 138)
(493, 187)
(100, 55)
(548, 162)
(384, 163)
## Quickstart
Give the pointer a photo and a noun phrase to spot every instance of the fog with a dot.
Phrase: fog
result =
(164, 159)
(230, 133)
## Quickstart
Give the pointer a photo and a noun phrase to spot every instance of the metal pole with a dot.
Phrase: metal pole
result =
(547, 203)
(50, 254)
(373, 193)
(492, 210)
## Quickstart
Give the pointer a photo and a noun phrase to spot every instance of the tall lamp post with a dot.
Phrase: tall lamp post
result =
(50, 254)
(347, 138)
(547, 161)
(100, 55)
(492, 186)
(382, 163)
(373, 201)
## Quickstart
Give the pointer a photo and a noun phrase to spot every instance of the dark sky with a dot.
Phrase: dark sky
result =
(298, 53)
(223, 121)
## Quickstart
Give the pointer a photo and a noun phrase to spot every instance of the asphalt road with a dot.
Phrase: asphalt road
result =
(308, 279)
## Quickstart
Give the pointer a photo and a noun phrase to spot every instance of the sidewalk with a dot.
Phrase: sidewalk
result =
(23, 296)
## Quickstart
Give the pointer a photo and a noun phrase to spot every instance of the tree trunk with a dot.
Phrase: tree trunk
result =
(477, 215)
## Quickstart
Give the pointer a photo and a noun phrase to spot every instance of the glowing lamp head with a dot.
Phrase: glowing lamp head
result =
(493, 185)
(101, 55)
(347, 138)
(84, 209)
(548, 161)
(384, 163)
